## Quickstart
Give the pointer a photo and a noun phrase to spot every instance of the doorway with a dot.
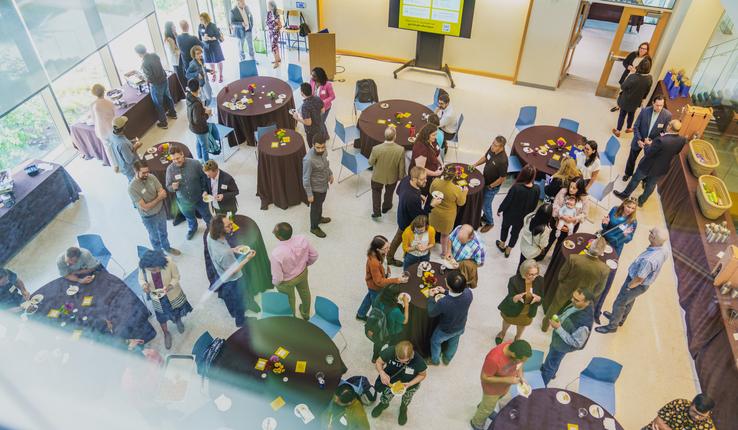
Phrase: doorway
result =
(602, 36)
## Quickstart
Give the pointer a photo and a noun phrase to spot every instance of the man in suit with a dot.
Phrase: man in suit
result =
(649, 125)
(185, 42)
(222, 187)
(388, 159)
(656, 162)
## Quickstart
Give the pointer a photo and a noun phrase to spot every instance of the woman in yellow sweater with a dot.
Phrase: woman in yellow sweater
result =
(443, 216)
(417, 241)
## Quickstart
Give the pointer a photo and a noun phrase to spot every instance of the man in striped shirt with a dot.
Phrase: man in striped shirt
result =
(467, 248)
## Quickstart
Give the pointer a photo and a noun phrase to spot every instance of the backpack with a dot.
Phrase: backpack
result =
(363, 389)
(213, 145)
(366, 91)
(376, 325)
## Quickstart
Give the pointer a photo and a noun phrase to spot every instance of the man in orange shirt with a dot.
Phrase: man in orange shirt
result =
(502, 367)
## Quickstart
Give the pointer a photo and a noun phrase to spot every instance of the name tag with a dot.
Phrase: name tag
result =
(578, 205)
(178, 177)
(224, 187)
(622, 227)
(409, 371)
(144, 190)
(659, 125)
(322, 92)
(343, 421)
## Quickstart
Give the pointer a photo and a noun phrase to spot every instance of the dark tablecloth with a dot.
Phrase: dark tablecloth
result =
(420, 326)
(257, 273)
(158, 168)
(539, 135)
(279, 172)
(260, 339)
(372, 133)
(541, 410)
(141, 115)
(112, 300)
(674, 105)
(551, 278)
(38, 200)
(245, 122)
(709, 338)
(471, 212)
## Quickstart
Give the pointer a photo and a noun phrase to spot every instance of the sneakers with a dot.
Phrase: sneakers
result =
(318, 232)
(626, 178)
(162, 125)
(620, 195)
(375, 216)
(485, 228)
(361, 318)
(180, 325)
(500, 245)
(324, 220)
(384, 211)
(402, 418)
(172, 115)
(191, 234)
(173, 251)
(377, 411)
(167, 340)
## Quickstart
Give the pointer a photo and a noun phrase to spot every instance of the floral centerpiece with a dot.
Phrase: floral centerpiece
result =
(276, 365)
(281, 134)
(561, 142)
(252, 88)
(429, 278)
(272, 95)
(165, 147)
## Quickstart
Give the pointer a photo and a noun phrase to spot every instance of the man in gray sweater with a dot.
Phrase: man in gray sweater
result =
(186, 177)
(316, 175)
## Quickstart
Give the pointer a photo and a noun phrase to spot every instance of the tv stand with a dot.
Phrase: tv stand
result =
(428, 56)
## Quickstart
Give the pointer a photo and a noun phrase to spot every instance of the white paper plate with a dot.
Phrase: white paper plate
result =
(72, 290)
(524, 389)
(401, 295)
(568, 244)
(437, 195)
(474, 182)
(384, 105)
(207, 198)
(398, 391)
(525, 143)
(612, 264)
(563, 397)
(596, 411)
(151, 150)
(542, 152)
(244, 249)
(608, 249)
(527, 150)
(411, 139)
(37, 299)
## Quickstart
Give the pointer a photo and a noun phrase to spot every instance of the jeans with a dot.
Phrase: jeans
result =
(156, 225)
(316, 209)
(632, 157)
(551, 365)
(201, 140)
(624, 303)
(324, 115)
(396, 242)
(231, 294)
(366, 304)
(300, 284)
(439, 338)
(648, 188)
(244, 36)
(484, 409)
(411, 259)
(489, 195)
(621, 119)
(389, 191)
(188, 210)
(162, 100)
(514, 226)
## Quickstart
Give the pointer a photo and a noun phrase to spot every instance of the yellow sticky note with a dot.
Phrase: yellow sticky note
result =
(286, 139)
(381, 121)
(54, 313)
(275, 144)
(235, 227)
(260, 364)
(568, 148)
(572, 427)
(556, 157)
(408, 125)
(87, 301)
(281, 353)
(277, 403)
(551, 142)
(393, 125)
(426, 292)
(76, 334)
(300, 366)
(244, 92)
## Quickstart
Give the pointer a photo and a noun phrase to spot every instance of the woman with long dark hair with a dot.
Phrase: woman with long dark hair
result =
(578, 189)
(519, 202)
(274, 26)
(535, 233)
(376, 274)
(588, 162)
(635, 88)
(322, 88)
(396, 315)
(427, 154)
(630, 63)
(173, 52)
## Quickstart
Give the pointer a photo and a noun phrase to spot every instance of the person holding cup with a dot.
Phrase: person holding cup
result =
(376, 274)
(186, 178)
(452, 311)
(443, 216)
(396, 309)
(417, 241)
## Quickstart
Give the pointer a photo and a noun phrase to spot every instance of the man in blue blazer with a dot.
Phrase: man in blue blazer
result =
(650, 124)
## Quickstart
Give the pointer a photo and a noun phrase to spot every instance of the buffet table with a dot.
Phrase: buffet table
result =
(710, 333)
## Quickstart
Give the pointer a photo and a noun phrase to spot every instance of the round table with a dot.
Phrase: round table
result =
(420, 326)
(262, 112)
(279, 172)
(471, 212)
(372, 131)
(257, 273)
(158, 167)
(304, 341)
(111, 301)
(542, 410)
(538, 136)
(551, 278)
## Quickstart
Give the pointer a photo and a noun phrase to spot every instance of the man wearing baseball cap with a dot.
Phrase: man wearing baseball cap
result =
(123, 150)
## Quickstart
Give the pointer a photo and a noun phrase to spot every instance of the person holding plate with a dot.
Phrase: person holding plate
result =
(443, 216)
(396, 309)
(223, 189)
(524, 292)
(452, 311)
(620, 224)
(13, 291)
(401, 371)
(417, 241)
(78, 265)
(159, 278)
(376, 274)
(186, 178)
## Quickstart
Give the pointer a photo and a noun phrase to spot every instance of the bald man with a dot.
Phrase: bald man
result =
(467, 248)
(641, 274)
(388, 160)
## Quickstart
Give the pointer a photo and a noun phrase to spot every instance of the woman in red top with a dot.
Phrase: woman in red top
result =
(427, 154)
(376, 274)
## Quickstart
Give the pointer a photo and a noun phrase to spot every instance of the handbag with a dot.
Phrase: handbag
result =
(304, 28)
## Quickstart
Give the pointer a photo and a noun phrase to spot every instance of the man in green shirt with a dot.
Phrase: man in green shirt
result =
(398, 365)
(148, 196)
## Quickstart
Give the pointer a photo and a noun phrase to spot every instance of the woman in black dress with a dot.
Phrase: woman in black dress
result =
(211, 37)
(631, 62)
(521, 200)
(632, 92)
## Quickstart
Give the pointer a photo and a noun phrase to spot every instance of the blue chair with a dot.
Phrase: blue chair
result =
(261, 131)
(131, 282)
(294, 75)
(611, 151)
(223, 132)
(454, 141)
(96, 246)
(326, 316)
(346, 134)
(355, 163)
(599, 191)
(513, 164)
(542, 193)
(433, 106)
(531, 373)
(597, 382)
(569, 124)
(247, 69)
(359, 106)
(526, 118)
(199, 348)
(274, 304)
(141, 250)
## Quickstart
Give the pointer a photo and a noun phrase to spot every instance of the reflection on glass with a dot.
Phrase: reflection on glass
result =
(661, 4)
(171, 10)
(124, 56)
(27, 132)
(73, 88)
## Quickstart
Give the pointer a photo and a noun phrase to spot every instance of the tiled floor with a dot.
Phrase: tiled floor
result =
(651, 347)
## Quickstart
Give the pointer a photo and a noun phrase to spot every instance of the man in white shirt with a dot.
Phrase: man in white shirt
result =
(242, 23)
(449, 122)
(222, 187)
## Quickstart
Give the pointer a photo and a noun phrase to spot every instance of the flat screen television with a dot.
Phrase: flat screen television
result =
(446, 17)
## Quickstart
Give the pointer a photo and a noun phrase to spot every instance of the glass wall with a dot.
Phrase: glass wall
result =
(27, 132)
(171, 10)
(72, 89)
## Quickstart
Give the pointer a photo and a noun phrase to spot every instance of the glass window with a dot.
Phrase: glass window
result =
(118, 16)
(171, 10)
(124, 56)
(72, 89)
(661, 4)
(27, 132)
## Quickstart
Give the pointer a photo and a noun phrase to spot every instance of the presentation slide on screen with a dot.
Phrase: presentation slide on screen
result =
(432, 16)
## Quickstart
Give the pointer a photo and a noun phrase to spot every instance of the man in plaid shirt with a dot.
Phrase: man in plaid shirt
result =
(467, 248)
